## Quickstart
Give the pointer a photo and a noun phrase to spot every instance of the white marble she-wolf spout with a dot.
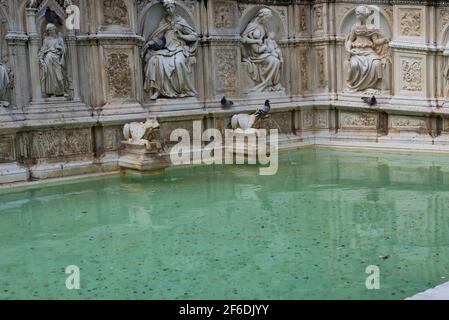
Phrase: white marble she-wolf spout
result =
(137, 132)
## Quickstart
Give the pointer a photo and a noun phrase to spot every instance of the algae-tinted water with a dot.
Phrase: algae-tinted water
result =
(225, 232)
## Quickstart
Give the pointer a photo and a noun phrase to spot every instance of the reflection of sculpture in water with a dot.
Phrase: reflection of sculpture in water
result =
(5, 84)
(51, 58)
(170, 56)
(263, 57)
(368, 53)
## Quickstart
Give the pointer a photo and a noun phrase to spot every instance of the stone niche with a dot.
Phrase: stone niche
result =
(297, 54)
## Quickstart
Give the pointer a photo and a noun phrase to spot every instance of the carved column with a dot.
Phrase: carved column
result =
(73, 54)
(36, 90)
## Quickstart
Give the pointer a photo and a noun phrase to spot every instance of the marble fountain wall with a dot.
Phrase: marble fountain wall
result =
(78, 130)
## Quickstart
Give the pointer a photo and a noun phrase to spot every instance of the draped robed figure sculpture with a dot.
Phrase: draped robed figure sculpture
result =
(368, 54)
(5, 84)
(262, 56)
(169, 56)
(52, 62)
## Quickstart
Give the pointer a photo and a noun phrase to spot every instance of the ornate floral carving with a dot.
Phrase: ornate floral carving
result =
(411, 70)
(408, 122)
(7, 148)
(358, 120)
(57, 143)
(444, 18)
(410, 22)
(318, 18)
(303, 19)
(115, 12)
(119, 75)
(307, 119)
(321, 119)
(226, 71)
(321, 63)
(224, 15)
(304, 68)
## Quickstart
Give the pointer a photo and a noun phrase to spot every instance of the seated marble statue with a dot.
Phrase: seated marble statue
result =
(5, 83)
(52, 62)
(262, 55)
(169, 57)
(368, 53)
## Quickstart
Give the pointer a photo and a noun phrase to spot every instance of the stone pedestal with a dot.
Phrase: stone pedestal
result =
(137, 158)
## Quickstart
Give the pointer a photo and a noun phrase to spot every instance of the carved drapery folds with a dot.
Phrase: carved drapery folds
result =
(52, 56)
(6, 76)
(368, 54)
(170, 54)
(262, 55)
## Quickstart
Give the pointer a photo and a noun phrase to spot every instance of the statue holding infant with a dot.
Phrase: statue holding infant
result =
(262, 56)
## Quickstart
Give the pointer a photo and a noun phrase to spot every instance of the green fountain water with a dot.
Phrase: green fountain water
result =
(227, 233)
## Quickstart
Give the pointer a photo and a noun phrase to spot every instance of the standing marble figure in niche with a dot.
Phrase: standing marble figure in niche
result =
(5, 84)
(169, 57)
(368, 53)
(262, 55)
(52, 62)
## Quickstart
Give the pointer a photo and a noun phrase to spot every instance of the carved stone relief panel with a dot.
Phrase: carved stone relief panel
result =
(303, 19)
(411, 74)
(307, 119)
(322, 119)
(115, 12)
(57, 143)
(405, 123)
(112, 137)
(321, 67)
(318, 18)
(7, 150)
(410, 22)
(119, 74)
(225, 14)
(443, 17)
(226, 71)
(361, 120)
(304, 68)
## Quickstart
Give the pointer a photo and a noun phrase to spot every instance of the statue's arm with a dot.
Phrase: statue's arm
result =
(378, 41)
(349, 40)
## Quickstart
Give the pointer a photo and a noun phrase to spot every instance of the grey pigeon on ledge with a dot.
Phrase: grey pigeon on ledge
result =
(263, 112)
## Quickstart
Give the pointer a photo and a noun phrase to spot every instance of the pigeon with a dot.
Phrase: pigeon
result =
(225, 103)
(155, 45)
(262, 112)
(52, 17)
(370, 100)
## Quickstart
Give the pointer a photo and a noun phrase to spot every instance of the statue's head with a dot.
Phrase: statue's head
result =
(264, 15)
(152, 123)
(169, 6)
(51, 29)
(363, 12)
